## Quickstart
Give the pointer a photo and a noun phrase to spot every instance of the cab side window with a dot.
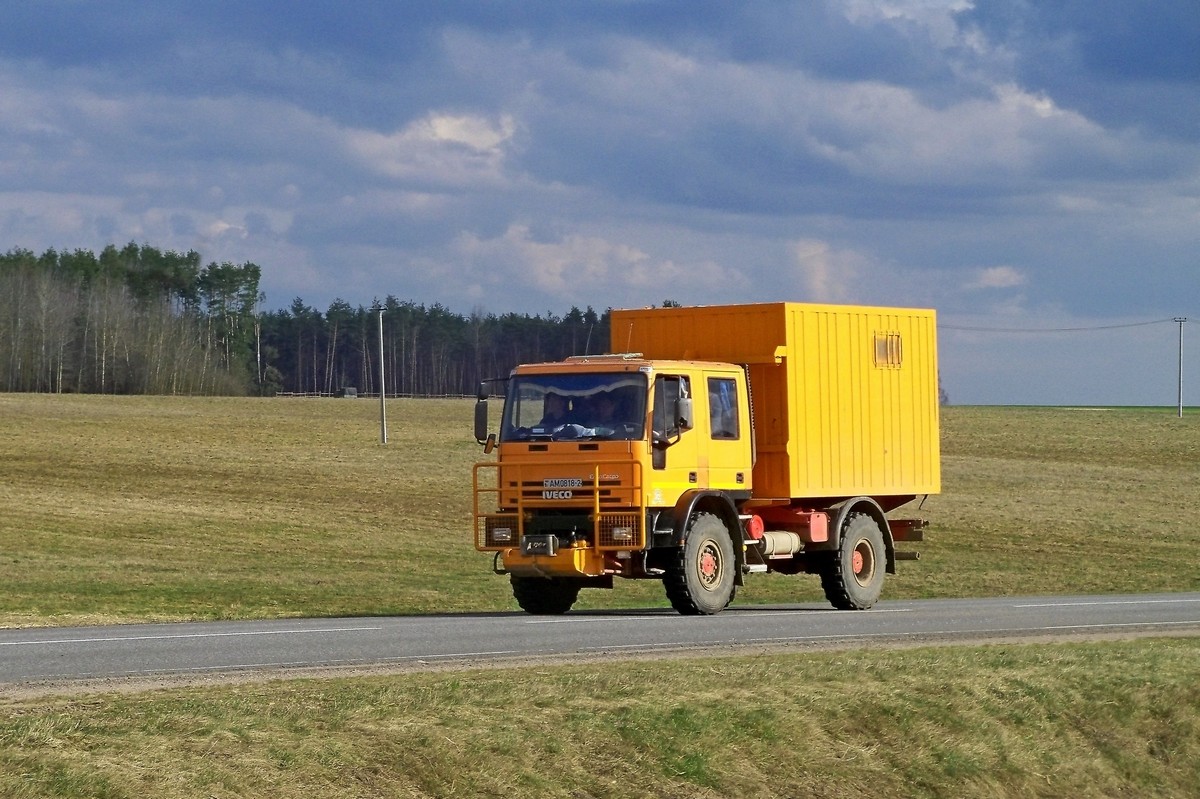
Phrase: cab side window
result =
(723, 408)
(668, 390)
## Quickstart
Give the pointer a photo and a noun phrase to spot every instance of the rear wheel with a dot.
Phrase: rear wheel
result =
(853, 576)
(545, 596)
(699, 580)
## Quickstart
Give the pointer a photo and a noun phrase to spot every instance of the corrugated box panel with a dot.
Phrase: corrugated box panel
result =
(725, 333)
(844, 397)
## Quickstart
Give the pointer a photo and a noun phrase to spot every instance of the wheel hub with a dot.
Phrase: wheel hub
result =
(862, 563)
(710, 566)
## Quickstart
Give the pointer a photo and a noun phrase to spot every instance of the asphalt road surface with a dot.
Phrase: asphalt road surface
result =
(225, 650)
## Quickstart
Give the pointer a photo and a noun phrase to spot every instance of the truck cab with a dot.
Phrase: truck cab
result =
(593, 458)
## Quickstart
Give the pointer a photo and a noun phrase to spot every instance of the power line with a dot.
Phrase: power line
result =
(1175, 320)
(1172, 320)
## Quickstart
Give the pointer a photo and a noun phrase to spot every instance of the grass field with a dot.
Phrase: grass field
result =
(116, 509)
(133, 508)
(1083, 720)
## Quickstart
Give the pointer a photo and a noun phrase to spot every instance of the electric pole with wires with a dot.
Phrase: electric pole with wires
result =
(1180, 320)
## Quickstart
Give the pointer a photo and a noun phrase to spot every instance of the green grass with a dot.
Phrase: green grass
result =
(120, 509)
(1078, 720)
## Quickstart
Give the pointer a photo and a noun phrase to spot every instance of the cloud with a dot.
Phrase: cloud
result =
(440, 148)
(686, 128)
(221, 228)
(889, 135)
(827, 275)
(935, 17)
(1121, 64)
(997, 277)
(938, 153)
(574, 266)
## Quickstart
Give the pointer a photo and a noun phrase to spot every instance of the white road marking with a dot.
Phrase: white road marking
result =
(969, 634)
(287, 664)
(717, 617)
(1118, 624)
(176, 636)
(1102, 602)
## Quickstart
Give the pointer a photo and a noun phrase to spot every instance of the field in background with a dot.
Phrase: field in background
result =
(126, 509)
(157, 508)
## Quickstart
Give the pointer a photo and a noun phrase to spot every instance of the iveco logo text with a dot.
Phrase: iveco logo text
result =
(559, 487)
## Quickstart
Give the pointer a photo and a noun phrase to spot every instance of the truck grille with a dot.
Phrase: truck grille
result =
(607, 494)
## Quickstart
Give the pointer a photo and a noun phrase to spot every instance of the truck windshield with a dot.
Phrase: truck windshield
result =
(562, 406)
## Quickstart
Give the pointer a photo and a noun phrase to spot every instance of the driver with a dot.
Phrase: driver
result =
(554, 410)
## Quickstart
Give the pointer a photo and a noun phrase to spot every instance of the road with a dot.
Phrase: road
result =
(225, 650)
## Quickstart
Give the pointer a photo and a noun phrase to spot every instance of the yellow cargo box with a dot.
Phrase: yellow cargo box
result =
(845, 398)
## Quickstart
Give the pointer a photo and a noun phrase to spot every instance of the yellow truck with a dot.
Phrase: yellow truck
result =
(717, 442)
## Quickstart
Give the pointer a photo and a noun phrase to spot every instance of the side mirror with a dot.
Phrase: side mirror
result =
(481, 420)
(683, 413)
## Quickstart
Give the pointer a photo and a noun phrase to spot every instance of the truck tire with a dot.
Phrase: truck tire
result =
(853, 575)
(699, 579)
(545, 596)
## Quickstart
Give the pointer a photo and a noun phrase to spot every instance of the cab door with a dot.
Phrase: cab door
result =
(678, 453)
(725, 423)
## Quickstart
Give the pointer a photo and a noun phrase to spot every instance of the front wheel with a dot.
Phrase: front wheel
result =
(853, 576)
(699, 580)
(545, 596)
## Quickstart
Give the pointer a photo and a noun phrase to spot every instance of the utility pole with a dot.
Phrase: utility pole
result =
(382, 384)
(1180, 320)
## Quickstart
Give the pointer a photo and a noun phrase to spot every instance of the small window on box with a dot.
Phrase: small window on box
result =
(889, 350)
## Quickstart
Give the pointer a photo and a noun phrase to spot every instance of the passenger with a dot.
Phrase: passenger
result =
(604, 410)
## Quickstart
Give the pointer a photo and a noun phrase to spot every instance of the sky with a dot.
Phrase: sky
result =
(1028, 168)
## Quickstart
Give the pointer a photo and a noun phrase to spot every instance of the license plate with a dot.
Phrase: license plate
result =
(539, 545)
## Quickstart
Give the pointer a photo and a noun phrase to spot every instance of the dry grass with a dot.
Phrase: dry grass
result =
(1005, 721)
(124, 509)
(136, 508)
(1059, 501)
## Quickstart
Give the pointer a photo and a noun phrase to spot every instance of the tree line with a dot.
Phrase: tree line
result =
(427, 351)
(139, 320)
